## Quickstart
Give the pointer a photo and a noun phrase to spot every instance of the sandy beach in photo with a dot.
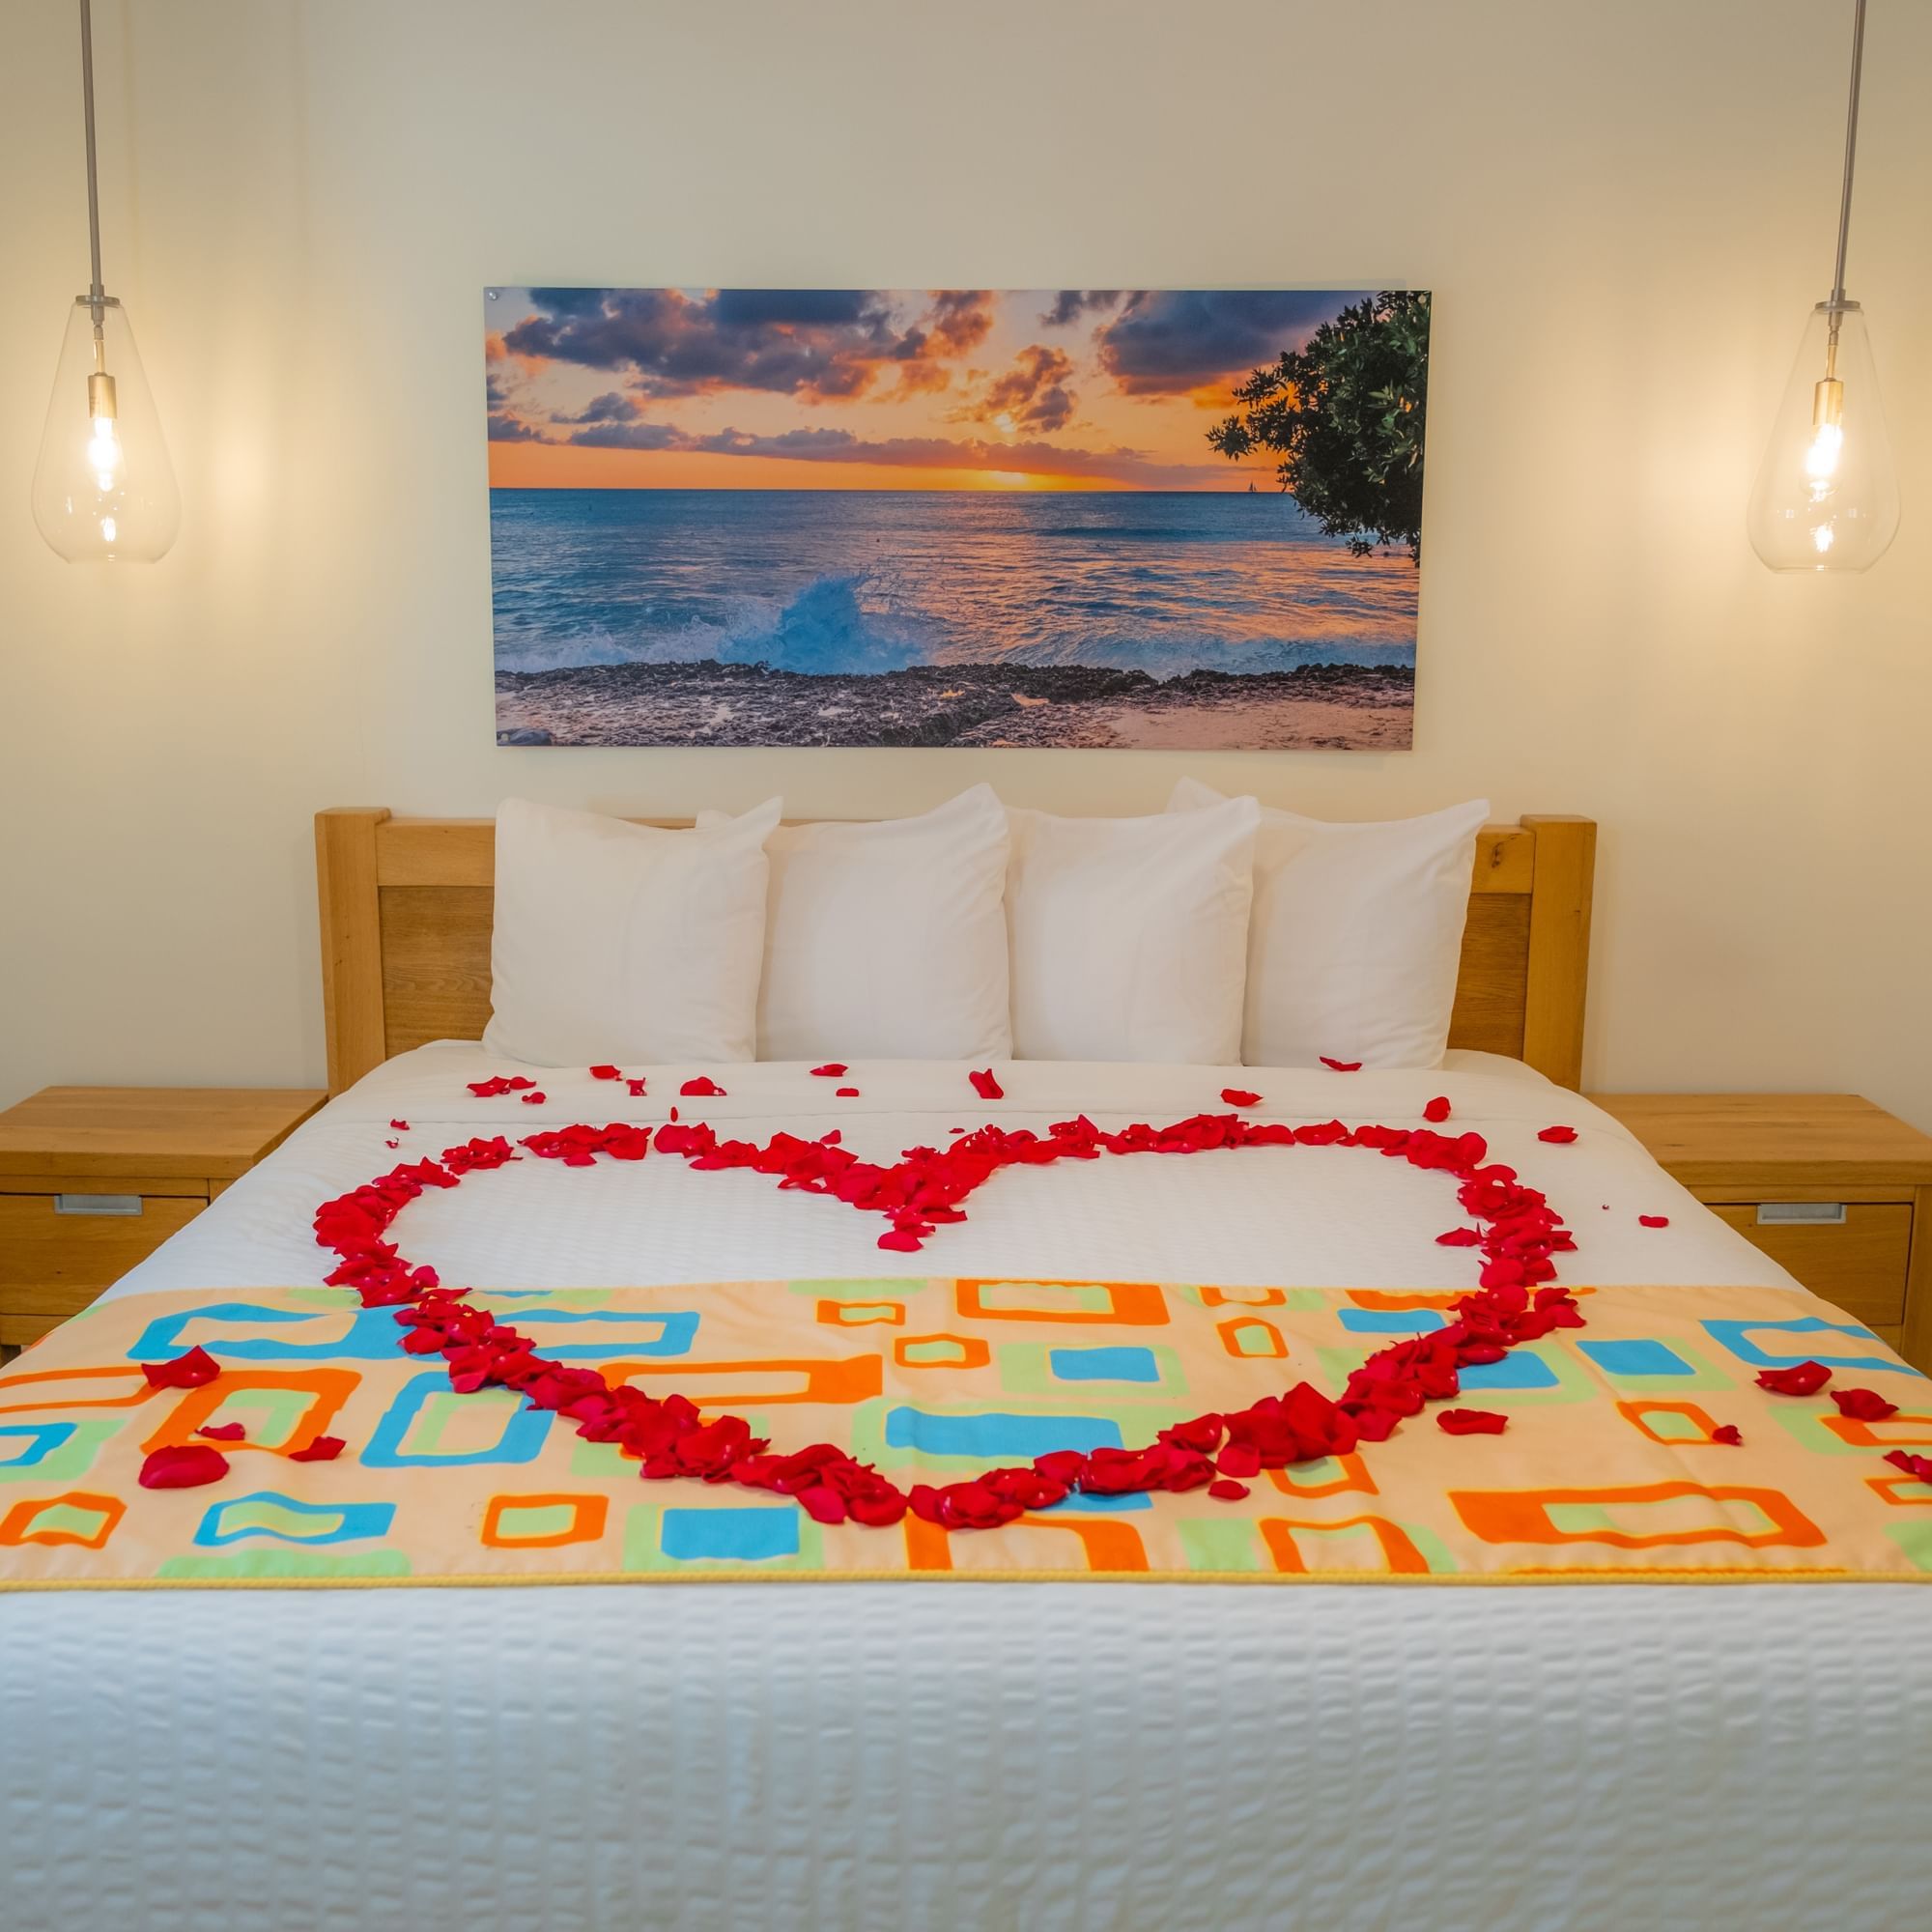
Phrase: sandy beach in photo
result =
(1319, 707)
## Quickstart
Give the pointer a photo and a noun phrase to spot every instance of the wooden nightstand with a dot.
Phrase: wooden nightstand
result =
(1828, 1184)
(94, 1178)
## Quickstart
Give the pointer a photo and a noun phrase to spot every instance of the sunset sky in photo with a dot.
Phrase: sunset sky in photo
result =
(869, 389)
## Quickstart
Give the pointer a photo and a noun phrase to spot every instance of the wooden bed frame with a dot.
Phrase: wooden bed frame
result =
(407, 904)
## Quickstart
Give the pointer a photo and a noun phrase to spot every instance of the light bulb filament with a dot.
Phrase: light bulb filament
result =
(104, 453)
(1828, 432)
(103, 446)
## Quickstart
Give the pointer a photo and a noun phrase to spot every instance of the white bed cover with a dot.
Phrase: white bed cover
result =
(888, 1755)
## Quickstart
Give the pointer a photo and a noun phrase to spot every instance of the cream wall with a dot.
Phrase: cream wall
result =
(1623, 210)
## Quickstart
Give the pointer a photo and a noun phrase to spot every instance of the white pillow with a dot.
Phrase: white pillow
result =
(1130, 935)
(888, 941)
(625, 943)
(1357, 935)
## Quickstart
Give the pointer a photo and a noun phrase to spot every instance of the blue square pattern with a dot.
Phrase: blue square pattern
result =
(522, 1439)
(42, 1439)
(742, 1535)
(1810, 1336)
(997, 1438)
(1518, 1370)
(1103, 1365)
(1636, 1358)
(1389, 1321)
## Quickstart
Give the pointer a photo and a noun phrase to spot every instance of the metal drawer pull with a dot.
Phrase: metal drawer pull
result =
(96, 1204)
(1801, 1213)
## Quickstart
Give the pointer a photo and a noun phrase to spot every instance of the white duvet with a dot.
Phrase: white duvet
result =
(886, 1756)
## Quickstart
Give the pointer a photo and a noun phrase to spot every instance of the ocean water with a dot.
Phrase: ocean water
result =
(822, 580)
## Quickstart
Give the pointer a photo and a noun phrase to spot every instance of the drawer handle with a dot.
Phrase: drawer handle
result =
(1801, 1213)
(96, 1204)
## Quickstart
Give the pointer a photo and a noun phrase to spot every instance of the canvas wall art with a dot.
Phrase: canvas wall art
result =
(1064, 517)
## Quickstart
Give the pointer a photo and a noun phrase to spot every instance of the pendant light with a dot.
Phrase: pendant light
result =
(1826, 495)
(103, 489)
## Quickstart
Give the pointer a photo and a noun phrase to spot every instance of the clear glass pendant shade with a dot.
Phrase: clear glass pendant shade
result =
(1827, 494)
(103, 489)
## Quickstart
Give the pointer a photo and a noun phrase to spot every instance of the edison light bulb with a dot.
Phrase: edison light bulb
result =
(104, 445)
(1821, 460)
(103, 488)
(1826, 495)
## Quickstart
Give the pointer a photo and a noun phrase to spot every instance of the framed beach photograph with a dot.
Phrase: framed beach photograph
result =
(1071, 517)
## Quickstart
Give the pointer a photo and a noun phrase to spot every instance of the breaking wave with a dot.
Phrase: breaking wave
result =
(835, 625)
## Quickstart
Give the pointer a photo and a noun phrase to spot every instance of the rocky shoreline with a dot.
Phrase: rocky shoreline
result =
(1332, 706)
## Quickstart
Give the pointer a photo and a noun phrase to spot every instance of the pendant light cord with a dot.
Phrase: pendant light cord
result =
(1851, 155)
(96, 292)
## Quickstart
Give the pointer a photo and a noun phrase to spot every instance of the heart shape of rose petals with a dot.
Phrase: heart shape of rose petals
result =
(669, 1436)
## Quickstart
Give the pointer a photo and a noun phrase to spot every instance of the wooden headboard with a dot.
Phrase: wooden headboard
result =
(407, 903)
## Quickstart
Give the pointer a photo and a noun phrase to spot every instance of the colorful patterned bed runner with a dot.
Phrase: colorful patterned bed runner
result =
(1611, 1468)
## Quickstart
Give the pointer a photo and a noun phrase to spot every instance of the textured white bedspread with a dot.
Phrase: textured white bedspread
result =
(776, 1755)
(1315, 1217)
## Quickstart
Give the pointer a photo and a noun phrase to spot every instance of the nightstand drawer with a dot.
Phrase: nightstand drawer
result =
(1858, 1262)
(57, 1262)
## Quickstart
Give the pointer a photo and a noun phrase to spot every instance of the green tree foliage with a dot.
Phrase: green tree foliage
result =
(1346, 415)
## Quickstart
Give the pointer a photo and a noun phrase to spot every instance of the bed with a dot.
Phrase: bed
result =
(750, 1751)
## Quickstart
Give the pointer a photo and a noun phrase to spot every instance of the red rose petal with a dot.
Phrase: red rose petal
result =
(182, 1372)
(401, 1127)
(1919, 1466)
(1729, 1435)
(1470, 1422)
(637, 1088)
(1653, 1220)
(1239, 1458)
(183, 1465)
(324, 1449)
(1239, 1096)
(822, 1503)
(986, 1087)
(1560, 1136)
(1863, 1405)
(703, 1088)
(222, 1431)
(534, 1099)
(845, 1092)
(1459, 1237)
(1060, 1466)
(833, 1070)
(1222, 1490)
(1342, 1065)
(605, 1074)
(1437, 1109)
(392, 1143)
(1800, 1379)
